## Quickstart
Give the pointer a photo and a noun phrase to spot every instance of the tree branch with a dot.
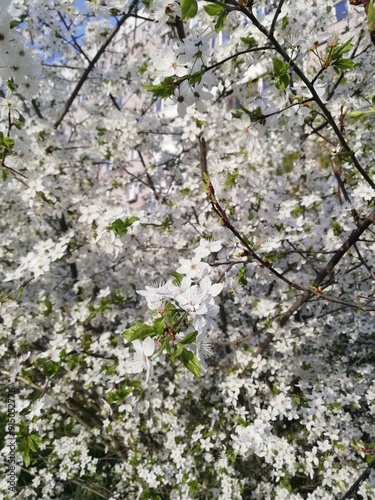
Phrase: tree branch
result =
(327, 270)
(310, 86)
(357, 484)
(90, 67)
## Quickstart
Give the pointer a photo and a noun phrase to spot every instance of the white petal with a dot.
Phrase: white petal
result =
(216, 289)
(148, 346)
(137, 346)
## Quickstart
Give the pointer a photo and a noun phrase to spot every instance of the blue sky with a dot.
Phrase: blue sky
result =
(80, 4)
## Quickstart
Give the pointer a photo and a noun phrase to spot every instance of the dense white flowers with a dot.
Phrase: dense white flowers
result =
(187, 250)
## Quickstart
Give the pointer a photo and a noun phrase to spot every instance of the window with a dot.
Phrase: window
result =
(212, 41)
(159, 105)
(233, 102)
(224, 37)
(166, 40)
(194, 23)
(133, 192)
(341, 10)
(133, 155)
(259, 12)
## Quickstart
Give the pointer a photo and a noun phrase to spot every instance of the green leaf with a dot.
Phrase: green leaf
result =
(343, 64)
(189, 8)
(282, 82)
(284, 483)
(118, 396)
(171, 311)
(49, 307)
(165, 345)
(26, 458)
(281, 70)
(11, 85)
(237, 114)
(164, 88)
(241, 276)
(256, 115)
(195, 78)
(371, 16)
(249, 40)
(16, 22)
(220, 23)
(159, 326)
(279, 66)
(190, 337)
(214, 10)
(177, 352)
(120, 227)
(345, 156)
(33, 442)
(138, 331)
(177, 277)
(359, 114)
(284, 22)
(231, 178)
(370, 459)
(339, 51)
(191, 362)
(7, 142)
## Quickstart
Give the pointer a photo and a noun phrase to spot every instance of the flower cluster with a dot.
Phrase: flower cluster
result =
(188, 310)
(18, 67)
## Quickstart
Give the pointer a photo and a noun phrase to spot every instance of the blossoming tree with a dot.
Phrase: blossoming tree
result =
(215, 338)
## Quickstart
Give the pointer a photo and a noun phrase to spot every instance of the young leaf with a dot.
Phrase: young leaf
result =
(120, 227)
(177, 352)
(249, 40)
(284, 22)
(138, 331)
(189, 8)
(281, 73)
(214, 10)
(163, 89)
(220, 23)
(191, 362)
(359, 114)
(339, 51)
(26, 458)
(343, 64)
(159, 326)
(190, 337)
(195, 78)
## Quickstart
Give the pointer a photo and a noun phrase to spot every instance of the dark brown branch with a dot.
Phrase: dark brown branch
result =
(203, 156)
(75, 44)
(298, 71)
(72, 265)
(180, 28)
(359, 481)
(275, 17)
(327, 270)
(150, 182)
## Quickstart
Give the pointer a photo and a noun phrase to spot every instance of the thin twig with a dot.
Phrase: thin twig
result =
(327, 270)
(95, 59)
(275, 17)
(359, 481)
